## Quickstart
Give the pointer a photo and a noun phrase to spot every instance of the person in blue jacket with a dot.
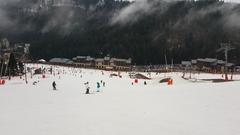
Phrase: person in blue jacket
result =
(98, 87)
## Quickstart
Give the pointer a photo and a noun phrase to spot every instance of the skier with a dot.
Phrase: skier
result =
(54, 85)
(35, 82)
(87, 88)
(98, 87)
(145, 83)
(103, 84)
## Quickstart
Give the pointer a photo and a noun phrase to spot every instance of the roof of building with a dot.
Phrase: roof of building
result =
(61, 60)
(41, 60)
(186, 63)
(212, 61)
(69, 62)
(81, 57)
(230, 64)
(220, 62)
(74, 58)
(99, 60)
(209, 60)
(194, 61)
(89, 58)
(107, 58)
(121, 60)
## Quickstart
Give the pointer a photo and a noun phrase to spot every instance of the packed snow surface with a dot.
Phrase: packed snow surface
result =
(188, 107)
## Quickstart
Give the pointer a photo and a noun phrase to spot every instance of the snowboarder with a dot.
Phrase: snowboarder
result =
(98, 87)
(54, 85)
(87, 88)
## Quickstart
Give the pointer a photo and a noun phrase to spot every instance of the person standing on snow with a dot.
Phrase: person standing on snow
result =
(54, 85)
(87, 88)
(103, 84)
(98, 87)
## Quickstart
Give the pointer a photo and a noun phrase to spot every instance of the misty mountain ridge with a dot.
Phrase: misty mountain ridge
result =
(143, 30)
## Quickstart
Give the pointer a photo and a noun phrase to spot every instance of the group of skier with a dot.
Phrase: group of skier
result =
(87, 87)
(98, 86)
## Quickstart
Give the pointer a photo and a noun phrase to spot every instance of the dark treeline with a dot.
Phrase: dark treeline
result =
(184, 30)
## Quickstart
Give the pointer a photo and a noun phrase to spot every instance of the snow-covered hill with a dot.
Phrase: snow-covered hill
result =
(185, 108)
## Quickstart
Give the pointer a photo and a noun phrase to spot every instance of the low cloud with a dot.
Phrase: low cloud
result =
(132, 12)
(62, 18)
(139, 8)
(230, 15)
(232, 20)
(7, 21)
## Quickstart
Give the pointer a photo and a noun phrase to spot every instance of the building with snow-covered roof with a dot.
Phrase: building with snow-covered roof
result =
(113, 63)
(106, 62)
(83, 61)
(120, 64)
(207, 65)
(99, 63)
(186, 63)
(61, 61)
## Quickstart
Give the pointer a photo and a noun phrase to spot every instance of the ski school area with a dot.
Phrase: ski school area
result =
(97, 102)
